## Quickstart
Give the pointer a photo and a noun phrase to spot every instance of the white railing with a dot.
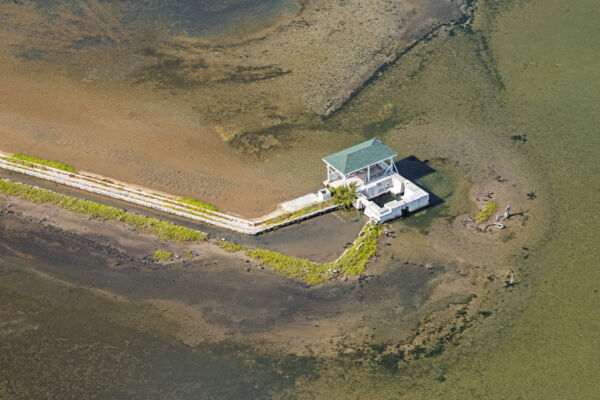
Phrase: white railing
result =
(145, 199)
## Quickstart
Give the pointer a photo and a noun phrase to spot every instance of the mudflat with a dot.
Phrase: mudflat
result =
(233, 119)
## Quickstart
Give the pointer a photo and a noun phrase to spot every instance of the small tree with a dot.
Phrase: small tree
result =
(344, 195)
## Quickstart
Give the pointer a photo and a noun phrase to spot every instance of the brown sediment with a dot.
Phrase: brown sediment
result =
(167, 124)
(224, 120)
(218, 296)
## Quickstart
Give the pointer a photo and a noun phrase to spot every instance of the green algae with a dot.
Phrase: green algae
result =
(486, 212)
(162, 229)
(27, 160)
(352, 263)
(198, 203)
(162, 255)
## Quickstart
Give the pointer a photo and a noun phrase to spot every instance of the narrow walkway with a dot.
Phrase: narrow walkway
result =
(106, 187)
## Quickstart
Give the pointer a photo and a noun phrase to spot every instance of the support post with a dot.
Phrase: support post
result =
(368, 173)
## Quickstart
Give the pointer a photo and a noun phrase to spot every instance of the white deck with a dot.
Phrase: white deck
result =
(409, 197)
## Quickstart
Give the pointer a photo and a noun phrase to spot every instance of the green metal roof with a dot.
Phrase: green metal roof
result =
(360, 156)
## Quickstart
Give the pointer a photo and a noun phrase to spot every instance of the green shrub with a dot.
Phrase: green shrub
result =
(487, 211)
(162, 255)
(344, 195)
(162, 229)
(197, 203)
(53, 164)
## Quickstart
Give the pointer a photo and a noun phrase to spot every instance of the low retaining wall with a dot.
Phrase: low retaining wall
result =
(149, 200)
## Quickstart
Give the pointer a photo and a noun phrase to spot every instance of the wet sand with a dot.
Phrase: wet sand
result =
(233, 121)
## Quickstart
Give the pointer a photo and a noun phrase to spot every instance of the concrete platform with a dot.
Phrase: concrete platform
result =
(300, 202)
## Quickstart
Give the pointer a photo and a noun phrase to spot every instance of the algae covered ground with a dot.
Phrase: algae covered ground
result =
(162, 229)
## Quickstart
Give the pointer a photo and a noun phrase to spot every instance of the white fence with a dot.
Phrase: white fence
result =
(145, 199)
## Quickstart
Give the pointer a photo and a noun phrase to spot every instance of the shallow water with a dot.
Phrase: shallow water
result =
(542, 340)
(523, 68)
(198, 18)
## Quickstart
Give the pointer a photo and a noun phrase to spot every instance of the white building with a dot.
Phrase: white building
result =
(370, 166)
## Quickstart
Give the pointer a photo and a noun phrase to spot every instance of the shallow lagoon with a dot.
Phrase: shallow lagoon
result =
(522, 68)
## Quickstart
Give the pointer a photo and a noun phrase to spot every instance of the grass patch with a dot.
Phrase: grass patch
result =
(197, 203)
(300, 213)
(230, 247)
(353, 262)
(487, 211)
(162, 229)
(53, 164)
(162, 255)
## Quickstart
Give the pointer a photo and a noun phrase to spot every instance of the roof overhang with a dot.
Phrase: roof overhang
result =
(359, 156)
(361, 168)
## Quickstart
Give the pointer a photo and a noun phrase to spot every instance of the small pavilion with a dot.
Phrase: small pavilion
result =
(360, 164)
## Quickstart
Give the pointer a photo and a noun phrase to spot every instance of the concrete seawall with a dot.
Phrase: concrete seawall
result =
(106, 187)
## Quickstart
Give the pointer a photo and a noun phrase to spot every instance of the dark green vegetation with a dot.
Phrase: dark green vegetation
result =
(487, 211)
(300, 213)
(344, 196)
(54, 164)
(198, 203)
(162, 229)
